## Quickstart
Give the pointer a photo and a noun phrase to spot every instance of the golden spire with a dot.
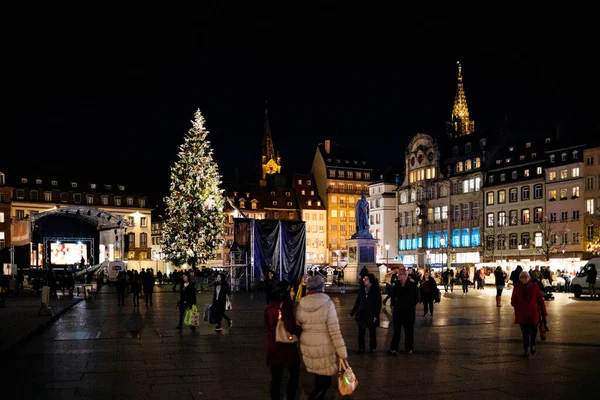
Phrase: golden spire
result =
(461, 124)
(268, 149)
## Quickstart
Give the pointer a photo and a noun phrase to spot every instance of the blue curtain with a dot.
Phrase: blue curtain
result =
(475, 238)
(293, 236)
(466, 237)
(266, 247)
(456, 238)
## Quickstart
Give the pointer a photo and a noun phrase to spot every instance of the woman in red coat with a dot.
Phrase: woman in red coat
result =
(529, 306)
(282, 355)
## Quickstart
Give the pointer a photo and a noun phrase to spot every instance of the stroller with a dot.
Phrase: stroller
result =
(547, 290)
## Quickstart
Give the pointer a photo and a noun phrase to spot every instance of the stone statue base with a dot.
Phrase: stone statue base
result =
(362, 234)
(361, 252)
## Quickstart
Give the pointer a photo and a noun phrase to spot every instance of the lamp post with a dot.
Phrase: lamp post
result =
(520, 247)
(428, 259)
(387, 249)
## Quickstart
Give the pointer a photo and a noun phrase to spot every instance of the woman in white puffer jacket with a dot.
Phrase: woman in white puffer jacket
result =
(321, 338)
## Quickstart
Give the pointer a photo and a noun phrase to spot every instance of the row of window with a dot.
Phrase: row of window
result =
(343, 200)
(422, 174)
(343, 228)
(64, 197)
(563, 156)
(564, 174)
(349, 174)
(468, 165)
(308, 215)
(538, 217)
(468, 147)
(346, 187)
(498, 242)
(564, 193)
(435, 240)
(500, 196)
(315, 228)
(74, 184)
(458, 187)
(143, 240)
(515, 174)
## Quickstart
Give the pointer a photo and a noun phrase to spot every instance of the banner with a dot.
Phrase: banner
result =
(20, 233)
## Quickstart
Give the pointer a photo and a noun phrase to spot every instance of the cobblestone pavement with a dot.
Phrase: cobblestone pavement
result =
(469, 349)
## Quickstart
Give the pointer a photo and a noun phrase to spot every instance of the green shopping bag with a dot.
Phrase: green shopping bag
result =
(188, 317)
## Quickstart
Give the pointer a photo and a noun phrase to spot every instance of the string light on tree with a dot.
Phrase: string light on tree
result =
(194, 224)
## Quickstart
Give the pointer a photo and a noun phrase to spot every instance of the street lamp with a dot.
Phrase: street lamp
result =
(520, 247)
(387, 248)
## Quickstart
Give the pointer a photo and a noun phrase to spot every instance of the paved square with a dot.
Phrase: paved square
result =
(469, 349)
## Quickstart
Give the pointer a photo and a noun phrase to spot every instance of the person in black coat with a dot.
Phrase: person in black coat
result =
(366, 312)
(148, 283)
(121, 285)
(270, 284)
(220, 295)
(187, 298)
(428, 292)
(136, 288)
(404, 298)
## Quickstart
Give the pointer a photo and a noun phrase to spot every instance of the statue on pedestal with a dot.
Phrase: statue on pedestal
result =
(362, 219)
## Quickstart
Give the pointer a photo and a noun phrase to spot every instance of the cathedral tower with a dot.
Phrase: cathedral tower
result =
(271, 164)
(460, 125)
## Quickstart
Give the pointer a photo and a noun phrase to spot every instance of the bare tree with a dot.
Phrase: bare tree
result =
(550, 237)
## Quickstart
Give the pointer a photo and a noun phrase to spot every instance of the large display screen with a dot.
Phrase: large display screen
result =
(67, 253)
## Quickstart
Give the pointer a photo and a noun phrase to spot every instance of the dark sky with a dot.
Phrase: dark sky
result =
(113, 101)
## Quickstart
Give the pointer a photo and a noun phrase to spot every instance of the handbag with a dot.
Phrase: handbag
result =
(228, 304)
(438, 296)
(347, 381)
(281, 334)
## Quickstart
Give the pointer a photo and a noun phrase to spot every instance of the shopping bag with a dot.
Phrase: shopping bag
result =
(206, 312)
(542, 329)
(194, 316)
(347, 381)
(281, 334)
(188, 317)
(212, 315)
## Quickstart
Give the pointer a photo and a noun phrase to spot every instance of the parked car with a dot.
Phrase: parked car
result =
(579, 285)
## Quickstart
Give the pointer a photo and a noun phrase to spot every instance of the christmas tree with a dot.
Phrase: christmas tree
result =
(194, 225)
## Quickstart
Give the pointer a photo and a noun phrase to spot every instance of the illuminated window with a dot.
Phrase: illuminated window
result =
(512, 195)
(490, 199)
(468, 165)
(501, 196)
(501, 218)
(552, 195)
(538, 214)
(525, 240)
(130, 201)
(490, 219)
(477, 163)
(589, 206)
(334, 213)
(459, 166)
(512, 217)
(466, 238)
(117, 201)
(539, 170)
(538, 239)
(564, 174)
(552, 175)
(575, 172)
(576, 191)
(525, 216)
(526, 173)
(47, 196)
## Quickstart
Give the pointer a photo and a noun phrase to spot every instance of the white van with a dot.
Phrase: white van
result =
(112, 269)
(579, 285)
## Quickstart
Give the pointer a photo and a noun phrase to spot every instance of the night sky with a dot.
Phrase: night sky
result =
(112, 102)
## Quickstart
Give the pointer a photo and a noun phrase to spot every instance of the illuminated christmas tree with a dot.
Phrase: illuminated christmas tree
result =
(194, 225)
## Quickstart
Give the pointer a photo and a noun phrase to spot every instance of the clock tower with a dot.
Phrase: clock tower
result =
(271, 164)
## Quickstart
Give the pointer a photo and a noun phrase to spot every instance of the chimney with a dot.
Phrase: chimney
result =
(327, 146)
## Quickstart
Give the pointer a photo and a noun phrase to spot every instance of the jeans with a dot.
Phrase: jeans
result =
(219, 315)
(372, 337)
(465, 286)
(499, 290)
(428, 304)
(529, 333)
(408, 323)
(277, 377)
(322, 383)
(120, 297)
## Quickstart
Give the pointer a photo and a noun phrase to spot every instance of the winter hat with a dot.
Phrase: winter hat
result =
(315, 283)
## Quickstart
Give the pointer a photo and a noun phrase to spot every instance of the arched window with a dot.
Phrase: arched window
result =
(468, 147)
(455, 151)
(459, 166)
(477, 163)
(443, 191)
(420, 194)
(430, 193)
(403, 197)
(143, 239)
(468, 165)
(482, 143)
(413, 196)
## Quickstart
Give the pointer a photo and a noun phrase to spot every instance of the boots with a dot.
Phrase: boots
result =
(498, 301)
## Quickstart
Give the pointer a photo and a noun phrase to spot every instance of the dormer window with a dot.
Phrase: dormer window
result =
(93, 185)
(117, 201)
(455, 151)
(547, 140)
(287, 194)
(563, 156)
(254, 204)
(329, 160)
(508, 160)
(312, 192)
(338, 161)
(104, 200)
(235, 194)
(74, 184)
(482, 143)
(521, 158)
(511, 148)
(142, 202)
(90, 199)
(527, 145)
(121, 188)
(498, 162)
(38, 181)
(533, 155)
(309, 202)
(242, 203)
(299, 181)
(247, 194)
(575, 155)
(23, 180)
(355, 162)
(359, 175)
(130, 201)
(347, 162)
(303, 192)
(275, 203)
(310, 183)
(54, 183)
(468, 147)
(367, 175)
(272, 193)
(363, 162)
(552, 157)
(107, 187)
(289, 203)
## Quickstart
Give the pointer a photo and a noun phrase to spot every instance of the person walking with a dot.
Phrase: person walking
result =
(404, 298)
(366, 310)
(148, 283)
(282, 356)
(530, 309)
(464, 279)
(500, 279)
(220, 295)
(321, 338)
(187, 298)
(136, 288)
(591, 280)
(390, 280)
(428, 293)
(121, 285)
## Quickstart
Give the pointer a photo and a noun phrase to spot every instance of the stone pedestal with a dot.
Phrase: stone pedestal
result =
(361, 251)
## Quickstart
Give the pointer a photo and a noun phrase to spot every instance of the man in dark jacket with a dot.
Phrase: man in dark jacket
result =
(405, 298)
(591, 280)
(187, 298)
(366, 312)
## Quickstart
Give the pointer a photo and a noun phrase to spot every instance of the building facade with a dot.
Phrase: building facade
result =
(341, 179)
(565, 201)
(314, 215)
(515, 206)
(591, 157)
(5, 197)
(383, 224)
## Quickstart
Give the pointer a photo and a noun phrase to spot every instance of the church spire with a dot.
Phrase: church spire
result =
(461, 124)
(268, 152)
